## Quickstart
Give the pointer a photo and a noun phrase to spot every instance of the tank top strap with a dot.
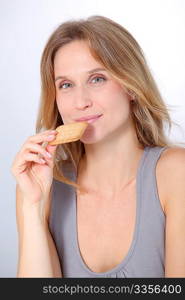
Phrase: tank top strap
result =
(154, 154)
(150, 202)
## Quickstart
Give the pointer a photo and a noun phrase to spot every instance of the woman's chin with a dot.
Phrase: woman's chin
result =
(89, 138)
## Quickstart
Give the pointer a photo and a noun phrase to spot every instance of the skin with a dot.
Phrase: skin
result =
(80, 94)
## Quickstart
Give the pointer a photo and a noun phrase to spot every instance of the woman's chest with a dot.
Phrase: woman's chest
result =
(105, 229)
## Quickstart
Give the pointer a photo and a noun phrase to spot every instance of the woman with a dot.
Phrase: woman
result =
(100, 207)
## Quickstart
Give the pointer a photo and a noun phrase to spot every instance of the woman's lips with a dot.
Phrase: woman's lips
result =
(89, 119)
(93, 119)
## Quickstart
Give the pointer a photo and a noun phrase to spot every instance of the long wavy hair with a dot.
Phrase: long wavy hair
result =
(118, 51)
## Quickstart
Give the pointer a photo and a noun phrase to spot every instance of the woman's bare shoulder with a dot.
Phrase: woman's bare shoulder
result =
(171, 172)
(172, 160)
(172, 166)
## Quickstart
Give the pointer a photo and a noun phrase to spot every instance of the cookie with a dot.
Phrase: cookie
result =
(69, 133)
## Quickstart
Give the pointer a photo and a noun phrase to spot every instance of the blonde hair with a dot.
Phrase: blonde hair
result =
(117, 50)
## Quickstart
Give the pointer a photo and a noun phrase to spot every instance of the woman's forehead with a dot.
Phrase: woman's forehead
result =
(72, 59)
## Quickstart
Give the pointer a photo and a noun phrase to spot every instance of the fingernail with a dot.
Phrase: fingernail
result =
(51, 136)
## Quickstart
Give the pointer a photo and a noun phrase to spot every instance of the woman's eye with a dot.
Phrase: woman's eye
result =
(98, 79)
(64, 85)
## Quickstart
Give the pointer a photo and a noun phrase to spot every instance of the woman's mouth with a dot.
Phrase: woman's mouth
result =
(93, 119)
(89, 119)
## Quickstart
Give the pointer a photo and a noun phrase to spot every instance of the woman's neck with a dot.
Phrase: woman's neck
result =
(109, 166)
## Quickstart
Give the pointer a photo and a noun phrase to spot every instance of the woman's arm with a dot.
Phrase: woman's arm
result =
(175, 214)
(37, 253)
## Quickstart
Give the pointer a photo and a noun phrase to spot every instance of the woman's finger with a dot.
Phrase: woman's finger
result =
(31, 147)
(40, 137)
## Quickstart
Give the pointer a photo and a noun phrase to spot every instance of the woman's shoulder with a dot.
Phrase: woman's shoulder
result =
(172, 157)
(172, 160)
(171, 174)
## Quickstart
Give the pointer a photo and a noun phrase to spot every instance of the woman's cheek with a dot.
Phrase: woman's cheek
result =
(65, 115)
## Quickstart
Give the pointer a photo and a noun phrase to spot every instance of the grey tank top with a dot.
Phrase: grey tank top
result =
(145, 257)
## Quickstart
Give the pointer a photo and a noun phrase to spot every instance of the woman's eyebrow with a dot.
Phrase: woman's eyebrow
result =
(88, 72)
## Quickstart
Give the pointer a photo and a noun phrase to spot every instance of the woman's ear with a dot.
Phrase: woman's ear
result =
(132, 96)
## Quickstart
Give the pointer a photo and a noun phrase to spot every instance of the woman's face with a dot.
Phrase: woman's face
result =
(85, 88)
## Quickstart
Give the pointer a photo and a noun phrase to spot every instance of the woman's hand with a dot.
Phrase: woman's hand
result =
(33, 168)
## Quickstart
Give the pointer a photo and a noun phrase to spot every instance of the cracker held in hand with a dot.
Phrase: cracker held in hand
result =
(69, 133)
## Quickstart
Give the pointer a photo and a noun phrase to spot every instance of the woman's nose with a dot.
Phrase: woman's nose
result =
(82, 98)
